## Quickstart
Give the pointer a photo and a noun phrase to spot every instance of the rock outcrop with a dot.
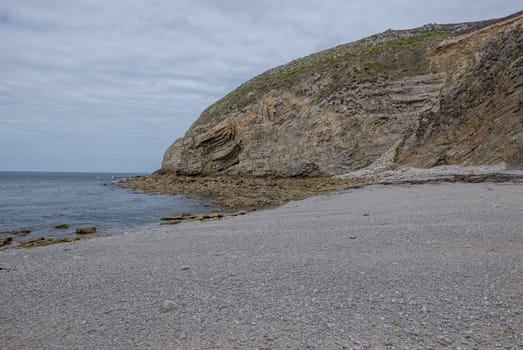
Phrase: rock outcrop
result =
(435, 95)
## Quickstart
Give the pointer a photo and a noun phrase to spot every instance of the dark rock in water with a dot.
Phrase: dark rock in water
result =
(22, 232)
(61, 226)
(85, 230)
(5, 241)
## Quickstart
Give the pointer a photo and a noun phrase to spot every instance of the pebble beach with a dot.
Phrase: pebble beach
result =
(379, 267)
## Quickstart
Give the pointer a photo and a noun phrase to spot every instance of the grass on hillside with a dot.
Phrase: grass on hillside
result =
(394, 54)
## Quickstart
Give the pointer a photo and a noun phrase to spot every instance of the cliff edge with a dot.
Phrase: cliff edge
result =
(435, 95)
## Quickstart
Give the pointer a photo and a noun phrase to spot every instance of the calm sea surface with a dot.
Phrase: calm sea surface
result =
(38, 201)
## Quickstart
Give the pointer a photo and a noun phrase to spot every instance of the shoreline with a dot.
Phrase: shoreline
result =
(254, 193)
(437, 265)
(237, 195)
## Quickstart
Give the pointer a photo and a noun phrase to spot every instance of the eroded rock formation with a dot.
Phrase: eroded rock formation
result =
(440, 94)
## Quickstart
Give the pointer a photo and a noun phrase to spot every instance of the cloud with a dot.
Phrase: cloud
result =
(92, 72)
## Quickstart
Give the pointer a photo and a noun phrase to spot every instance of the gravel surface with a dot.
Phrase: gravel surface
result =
(381, 267)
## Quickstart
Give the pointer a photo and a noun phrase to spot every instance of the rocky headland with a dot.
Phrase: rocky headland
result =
(438, 95)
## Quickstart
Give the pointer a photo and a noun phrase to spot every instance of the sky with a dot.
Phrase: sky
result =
(99, 85)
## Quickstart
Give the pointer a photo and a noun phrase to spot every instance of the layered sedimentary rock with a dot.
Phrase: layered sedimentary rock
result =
(440, 94)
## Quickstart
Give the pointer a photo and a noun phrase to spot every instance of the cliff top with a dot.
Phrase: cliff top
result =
(391, 54)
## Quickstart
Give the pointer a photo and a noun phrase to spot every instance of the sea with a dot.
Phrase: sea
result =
(40, 200)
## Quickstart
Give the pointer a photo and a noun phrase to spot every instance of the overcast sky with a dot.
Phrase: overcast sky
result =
(100, 85)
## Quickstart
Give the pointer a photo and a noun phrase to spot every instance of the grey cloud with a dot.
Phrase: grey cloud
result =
(131, 76)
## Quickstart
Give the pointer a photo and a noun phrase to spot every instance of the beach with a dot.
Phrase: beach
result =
(378, 267)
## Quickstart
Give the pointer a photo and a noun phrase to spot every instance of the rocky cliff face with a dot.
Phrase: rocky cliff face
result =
(440, 94)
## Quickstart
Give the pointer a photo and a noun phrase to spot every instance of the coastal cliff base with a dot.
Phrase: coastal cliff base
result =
(247, 192)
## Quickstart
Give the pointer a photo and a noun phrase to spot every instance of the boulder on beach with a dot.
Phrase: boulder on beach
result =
(85, 230)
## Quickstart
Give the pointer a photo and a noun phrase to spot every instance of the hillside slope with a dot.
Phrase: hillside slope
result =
(439, 94)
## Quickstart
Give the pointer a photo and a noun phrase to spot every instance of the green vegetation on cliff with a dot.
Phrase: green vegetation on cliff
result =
(393, 54)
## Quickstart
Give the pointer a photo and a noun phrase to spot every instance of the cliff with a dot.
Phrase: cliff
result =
(435, 95)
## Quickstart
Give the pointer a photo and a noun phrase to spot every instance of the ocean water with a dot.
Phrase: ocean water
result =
(38, 201)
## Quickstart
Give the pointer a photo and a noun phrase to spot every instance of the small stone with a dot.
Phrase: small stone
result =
(444, 341)
(185, 268)
(388, 342)
(168, 305)
(352, 237)
(366, 214)
(61, 226)
(85, 230)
